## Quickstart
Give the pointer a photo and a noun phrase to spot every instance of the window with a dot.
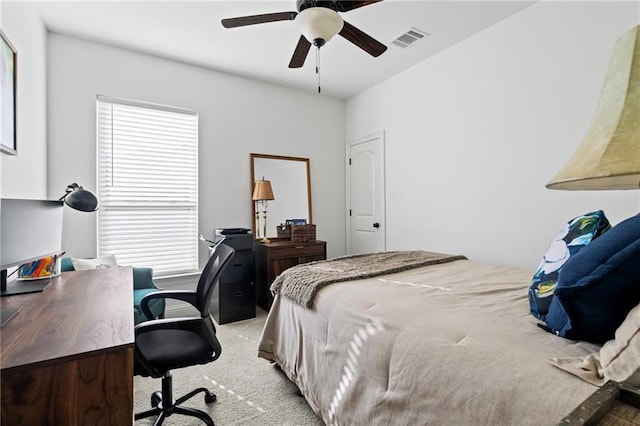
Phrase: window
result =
(148, 185)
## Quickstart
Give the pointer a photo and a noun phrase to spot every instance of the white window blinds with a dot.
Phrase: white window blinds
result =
(148, 185)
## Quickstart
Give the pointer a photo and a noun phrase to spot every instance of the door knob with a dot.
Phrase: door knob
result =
(376, 225)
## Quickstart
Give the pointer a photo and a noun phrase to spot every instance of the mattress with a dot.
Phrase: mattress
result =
(446, 344)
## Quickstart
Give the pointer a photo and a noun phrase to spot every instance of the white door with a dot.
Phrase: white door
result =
(366, 195)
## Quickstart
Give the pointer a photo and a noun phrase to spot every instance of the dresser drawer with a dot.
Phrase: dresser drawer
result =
(306, 259)
(277, 256)
(297, 250)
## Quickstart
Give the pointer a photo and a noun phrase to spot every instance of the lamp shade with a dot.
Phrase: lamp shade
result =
(79, 198)
(262, 191)
(609, 155)
(319, 23)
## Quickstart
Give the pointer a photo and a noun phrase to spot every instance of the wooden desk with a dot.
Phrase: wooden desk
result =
(66, 357)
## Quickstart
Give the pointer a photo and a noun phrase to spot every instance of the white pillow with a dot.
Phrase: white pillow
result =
(620, 357)
(101, 262)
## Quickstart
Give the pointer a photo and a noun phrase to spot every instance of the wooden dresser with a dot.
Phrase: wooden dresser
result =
(274, 257)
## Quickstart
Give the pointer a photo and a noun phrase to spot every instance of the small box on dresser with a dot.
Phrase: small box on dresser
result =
(303, 233)
(283, 231)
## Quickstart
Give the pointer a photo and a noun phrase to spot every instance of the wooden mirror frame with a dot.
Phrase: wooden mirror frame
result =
(272, 224)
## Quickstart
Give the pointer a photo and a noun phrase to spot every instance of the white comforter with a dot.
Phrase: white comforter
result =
(450, 344)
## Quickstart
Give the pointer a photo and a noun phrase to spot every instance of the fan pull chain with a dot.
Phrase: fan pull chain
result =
(111, 159)
(318, 66)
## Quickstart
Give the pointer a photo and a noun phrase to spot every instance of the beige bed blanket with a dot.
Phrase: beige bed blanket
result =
(447, 344)
(302, 282)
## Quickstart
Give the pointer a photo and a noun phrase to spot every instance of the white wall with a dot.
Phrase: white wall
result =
(237, 116)
(474, 133)
(25, 175)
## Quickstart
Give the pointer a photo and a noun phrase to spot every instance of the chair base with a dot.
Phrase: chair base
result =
(164, 405)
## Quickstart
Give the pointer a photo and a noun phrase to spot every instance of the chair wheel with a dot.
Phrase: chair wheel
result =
(156, 398)
(210, 397)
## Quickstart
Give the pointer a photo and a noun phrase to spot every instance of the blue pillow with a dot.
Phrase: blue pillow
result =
(598, 286)
(578, 232)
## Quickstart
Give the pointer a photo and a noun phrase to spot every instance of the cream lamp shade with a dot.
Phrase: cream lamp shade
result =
(319, 24)
(262, 191)
(609, 155)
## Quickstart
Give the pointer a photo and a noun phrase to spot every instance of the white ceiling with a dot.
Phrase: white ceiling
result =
(191, 32)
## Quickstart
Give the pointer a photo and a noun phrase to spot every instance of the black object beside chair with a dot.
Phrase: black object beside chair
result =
(162, 345)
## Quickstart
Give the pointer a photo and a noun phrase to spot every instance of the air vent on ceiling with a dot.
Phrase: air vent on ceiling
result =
(409, 37)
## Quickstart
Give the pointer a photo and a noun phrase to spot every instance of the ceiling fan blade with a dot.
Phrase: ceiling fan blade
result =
(362, 40)
(300, 54)
(347, 5)
(258, 19)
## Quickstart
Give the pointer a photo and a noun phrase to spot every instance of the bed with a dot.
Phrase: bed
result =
(449, 343)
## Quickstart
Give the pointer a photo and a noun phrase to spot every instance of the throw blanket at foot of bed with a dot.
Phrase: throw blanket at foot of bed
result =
(301, 283)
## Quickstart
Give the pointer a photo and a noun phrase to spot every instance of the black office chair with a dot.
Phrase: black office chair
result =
(162, 345)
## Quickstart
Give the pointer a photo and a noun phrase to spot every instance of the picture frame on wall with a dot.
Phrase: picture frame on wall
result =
(8, 67)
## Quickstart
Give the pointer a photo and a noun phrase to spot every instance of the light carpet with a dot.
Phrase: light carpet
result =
(251, 391)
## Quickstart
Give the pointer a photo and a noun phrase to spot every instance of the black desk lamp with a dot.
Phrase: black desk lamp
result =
(79, 198)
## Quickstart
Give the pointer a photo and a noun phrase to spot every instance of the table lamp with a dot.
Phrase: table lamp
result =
(262, 193)
(609, 155)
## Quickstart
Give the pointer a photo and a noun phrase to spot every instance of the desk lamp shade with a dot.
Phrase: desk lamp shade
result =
(262, 191)
(609, 155)
(79, 198)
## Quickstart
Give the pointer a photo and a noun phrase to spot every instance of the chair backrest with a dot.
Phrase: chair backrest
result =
(210, 277)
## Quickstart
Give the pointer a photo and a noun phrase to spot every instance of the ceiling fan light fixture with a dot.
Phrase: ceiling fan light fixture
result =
(319, 24)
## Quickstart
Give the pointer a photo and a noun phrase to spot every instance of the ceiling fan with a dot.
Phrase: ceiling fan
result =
(318, 21)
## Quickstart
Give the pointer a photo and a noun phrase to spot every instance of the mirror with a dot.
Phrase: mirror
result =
(291, 184)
